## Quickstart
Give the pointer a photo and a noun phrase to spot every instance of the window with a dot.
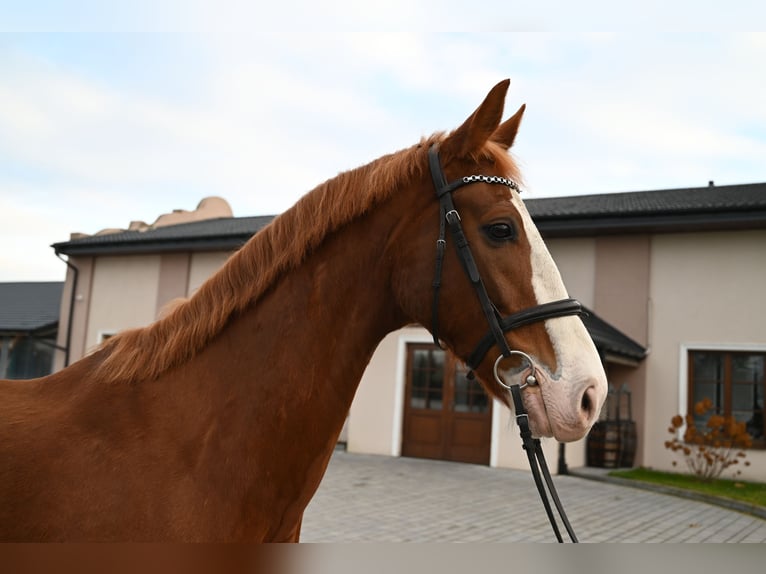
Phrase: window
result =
(427, 378)
(735, 382)
(104, 335)
(437, 376)
(470, 396)
(26, 357)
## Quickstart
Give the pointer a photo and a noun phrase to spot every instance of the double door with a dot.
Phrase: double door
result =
(446, 415)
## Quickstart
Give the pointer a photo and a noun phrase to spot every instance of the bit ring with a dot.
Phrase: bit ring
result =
(531, 379)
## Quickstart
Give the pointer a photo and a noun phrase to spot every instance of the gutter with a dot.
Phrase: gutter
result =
(75, 273)
(230, 243)
(611, 224)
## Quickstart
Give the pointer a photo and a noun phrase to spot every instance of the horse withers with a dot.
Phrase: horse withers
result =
(217, 422)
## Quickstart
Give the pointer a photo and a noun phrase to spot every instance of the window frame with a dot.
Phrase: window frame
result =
(452, 370)
(105, 334)
(685, 373)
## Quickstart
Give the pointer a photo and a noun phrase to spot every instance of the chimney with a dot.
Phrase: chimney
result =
(711, 183)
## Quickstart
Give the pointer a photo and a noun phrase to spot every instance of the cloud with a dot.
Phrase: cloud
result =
(29, 227)
(260, 119)
(628, 112)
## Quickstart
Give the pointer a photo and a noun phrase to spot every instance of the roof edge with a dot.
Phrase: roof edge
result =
(650, 223)
(224, 243)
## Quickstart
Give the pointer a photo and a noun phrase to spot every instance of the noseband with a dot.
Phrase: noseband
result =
(498, 325)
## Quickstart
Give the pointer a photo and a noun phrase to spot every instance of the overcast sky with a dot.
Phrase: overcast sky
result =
(101, 128)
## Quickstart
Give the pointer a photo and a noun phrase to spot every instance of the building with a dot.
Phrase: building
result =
(673, 279)
(29, 318)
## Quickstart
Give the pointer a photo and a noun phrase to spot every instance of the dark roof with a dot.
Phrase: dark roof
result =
(26, 307)
(209, 234)
(667, 210)
(610, 341)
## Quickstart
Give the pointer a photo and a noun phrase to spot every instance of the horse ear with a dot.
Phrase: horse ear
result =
(479, 126)
(506, 132)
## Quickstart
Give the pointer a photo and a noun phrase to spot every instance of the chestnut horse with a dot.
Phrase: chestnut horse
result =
(217, 422)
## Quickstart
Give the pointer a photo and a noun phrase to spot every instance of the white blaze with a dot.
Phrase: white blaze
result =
(577, 360)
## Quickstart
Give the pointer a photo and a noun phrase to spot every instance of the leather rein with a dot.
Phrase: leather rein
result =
(498, 325)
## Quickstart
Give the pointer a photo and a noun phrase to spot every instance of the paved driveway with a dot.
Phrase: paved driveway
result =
(365, 498)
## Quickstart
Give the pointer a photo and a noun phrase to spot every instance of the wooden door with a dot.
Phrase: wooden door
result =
(446, 415)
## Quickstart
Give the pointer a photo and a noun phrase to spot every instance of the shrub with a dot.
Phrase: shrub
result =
(710, 451)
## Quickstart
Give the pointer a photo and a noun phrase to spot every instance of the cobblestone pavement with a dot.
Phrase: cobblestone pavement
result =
(367, 498)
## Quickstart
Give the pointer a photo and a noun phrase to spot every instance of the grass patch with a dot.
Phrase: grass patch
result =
(750, 492)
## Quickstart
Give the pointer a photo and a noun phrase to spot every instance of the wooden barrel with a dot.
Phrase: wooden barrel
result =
(604, 445)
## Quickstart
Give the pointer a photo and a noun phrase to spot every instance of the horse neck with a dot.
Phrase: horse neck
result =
(291, 362)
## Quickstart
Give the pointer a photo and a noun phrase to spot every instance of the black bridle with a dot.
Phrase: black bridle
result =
(498, 325)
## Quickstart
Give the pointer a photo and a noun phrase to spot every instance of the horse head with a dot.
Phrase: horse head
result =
(515, 270)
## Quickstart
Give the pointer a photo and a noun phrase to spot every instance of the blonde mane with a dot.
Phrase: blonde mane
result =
(145, 353)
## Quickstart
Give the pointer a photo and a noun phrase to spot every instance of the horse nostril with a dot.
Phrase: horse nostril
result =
(586, 402)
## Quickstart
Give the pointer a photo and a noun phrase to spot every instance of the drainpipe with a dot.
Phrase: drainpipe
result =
(75, 273)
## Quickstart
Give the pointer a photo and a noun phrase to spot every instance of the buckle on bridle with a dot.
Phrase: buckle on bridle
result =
(452, 216)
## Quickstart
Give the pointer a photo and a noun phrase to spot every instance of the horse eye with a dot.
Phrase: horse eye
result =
(500, 231)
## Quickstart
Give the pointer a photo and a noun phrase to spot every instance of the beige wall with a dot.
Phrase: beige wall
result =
(119, 292)
(576, 260)
(202, 266)
(173, 279)
(123, 295)
(706, 292)
(621, 290)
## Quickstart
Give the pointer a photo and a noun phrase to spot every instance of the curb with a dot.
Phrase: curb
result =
(744, 507)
